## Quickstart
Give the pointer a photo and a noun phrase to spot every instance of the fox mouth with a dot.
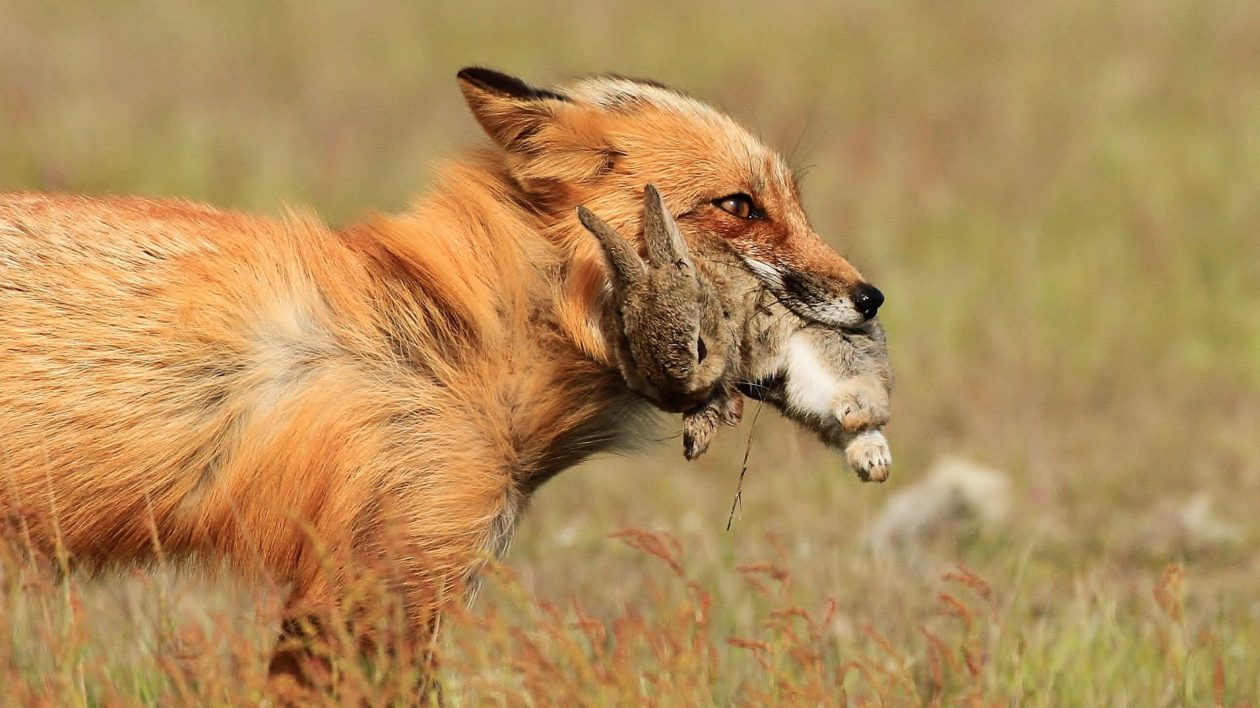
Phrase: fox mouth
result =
(821, 308)
(807, 298)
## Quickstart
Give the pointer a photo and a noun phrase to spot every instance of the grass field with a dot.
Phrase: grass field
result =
(1061, 201)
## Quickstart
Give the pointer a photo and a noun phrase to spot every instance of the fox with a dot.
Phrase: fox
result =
(180, 380)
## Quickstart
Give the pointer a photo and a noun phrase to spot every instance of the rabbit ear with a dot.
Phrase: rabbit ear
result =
(665, 244)
(626, 265)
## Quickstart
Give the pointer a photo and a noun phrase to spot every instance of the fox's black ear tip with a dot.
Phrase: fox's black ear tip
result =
(480, 75)
(501, 84)
(492, 81)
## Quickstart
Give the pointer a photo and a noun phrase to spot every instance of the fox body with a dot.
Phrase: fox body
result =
(177, 379)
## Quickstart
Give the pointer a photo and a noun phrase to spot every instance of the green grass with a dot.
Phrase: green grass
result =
(1059, 199)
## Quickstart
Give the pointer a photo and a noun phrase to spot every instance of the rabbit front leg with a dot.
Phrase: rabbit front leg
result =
(700, 425)
(861, 403)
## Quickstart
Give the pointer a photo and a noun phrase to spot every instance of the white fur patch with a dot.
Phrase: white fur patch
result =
(291, 345)
(811, 385)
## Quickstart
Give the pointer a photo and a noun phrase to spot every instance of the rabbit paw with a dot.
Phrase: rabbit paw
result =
(868, 454)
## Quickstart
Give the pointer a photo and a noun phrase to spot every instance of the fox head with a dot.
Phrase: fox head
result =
(598, 141)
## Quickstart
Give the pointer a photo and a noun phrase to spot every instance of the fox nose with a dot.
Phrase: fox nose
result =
(867, 300)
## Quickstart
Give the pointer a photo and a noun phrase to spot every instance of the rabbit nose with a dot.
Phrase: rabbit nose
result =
(867, 300)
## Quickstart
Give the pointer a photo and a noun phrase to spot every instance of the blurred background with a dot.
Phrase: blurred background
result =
(1061, 201)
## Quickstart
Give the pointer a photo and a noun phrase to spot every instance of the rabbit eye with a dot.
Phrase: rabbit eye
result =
(701, 350)
(740, 205)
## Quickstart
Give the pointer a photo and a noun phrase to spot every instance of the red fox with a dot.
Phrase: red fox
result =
(182, 379)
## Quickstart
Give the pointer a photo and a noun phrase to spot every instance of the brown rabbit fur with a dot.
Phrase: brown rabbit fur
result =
(677, 344)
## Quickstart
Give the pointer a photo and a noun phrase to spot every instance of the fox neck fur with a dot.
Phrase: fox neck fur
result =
(516, 300)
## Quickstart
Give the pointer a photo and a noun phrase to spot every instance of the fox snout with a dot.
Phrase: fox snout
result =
(808, 276)
(830, 301)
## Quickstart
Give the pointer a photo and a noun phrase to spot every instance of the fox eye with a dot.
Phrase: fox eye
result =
(740, 205)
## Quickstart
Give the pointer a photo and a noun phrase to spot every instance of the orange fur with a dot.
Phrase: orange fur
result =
(181, 379)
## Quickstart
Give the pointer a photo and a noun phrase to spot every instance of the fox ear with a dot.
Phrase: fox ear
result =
(508, 109)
